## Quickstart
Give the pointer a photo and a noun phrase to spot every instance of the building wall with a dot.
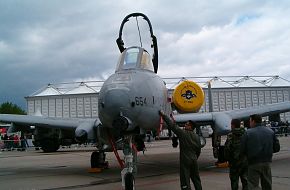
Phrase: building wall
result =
(64, 106)
(86, 105)
(237, 98)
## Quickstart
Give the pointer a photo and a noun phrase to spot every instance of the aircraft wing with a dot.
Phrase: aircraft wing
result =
(222, 120)
(48, 122)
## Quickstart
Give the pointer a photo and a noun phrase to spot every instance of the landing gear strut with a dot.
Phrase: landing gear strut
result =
(130, 169)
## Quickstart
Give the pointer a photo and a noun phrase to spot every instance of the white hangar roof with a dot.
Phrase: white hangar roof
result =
(83, 88)
(69, 88)
(231, 81)
(48, 90)
(89, 87)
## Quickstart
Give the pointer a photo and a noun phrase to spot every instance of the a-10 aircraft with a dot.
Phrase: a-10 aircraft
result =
(128, 105)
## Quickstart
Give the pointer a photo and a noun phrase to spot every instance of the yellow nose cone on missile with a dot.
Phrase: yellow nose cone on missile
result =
(188, 96)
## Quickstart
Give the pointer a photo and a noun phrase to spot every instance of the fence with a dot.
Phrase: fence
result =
(281, 130)
(9, 145)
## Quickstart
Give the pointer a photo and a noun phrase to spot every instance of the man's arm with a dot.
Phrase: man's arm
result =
(172, 126)
(244, 145)
(198, 151)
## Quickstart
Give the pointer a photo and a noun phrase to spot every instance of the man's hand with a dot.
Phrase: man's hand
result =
(161, 113)
(170, 124)
(166, 118)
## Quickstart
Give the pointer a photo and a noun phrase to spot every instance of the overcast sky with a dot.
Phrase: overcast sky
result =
(56, 41)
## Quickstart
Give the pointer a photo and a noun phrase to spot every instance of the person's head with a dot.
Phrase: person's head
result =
(190, 125)
(255, 119)
(235, 123)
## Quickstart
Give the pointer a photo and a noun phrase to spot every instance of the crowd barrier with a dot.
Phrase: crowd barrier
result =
(281, 130)
(24, 145)
(10, 145)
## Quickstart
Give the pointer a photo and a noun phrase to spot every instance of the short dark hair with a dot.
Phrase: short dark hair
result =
(192, 123)
(236, 123)
(257, 118)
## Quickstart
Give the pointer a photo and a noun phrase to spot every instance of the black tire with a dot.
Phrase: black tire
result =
(49, 145)
(221, 154)
(95, 159)
(98, 160)
(129, 181)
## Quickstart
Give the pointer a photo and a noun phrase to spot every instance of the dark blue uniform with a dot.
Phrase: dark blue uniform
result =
(259, 144)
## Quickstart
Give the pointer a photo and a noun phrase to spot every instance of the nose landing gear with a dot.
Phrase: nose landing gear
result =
(129, 181)
(130, 169)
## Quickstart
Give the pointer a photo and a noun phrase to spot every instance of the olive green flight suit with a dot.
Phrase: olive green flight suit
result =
(190, 148)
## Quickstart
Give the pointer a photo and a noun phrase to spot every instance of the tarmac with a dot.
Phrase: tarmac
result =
(158, 168)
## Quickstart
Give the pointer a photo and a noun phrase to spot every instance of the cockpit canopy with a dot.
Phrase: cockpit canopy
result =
(135, 58)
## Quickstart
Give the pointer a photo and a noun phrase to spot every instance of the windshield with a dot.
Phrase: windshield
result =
(146, 62)
(133, 58)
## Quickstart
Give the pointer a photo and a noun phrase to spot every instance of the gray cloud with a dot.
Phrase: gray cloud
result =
(45, 42)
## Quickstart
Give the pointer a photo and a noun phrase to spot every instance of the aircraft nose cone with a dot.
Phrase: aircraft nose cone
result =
(115, 99)
(115, 102)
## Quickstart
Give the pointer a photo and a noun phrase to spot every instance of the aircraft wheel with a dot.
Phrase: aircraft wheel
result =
(221, 154)
(49, 145)
(95, 159)
(98, 160)
(129, 181)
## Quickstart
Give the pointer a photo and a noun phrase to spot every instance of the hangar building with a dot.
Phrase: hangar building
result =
(80, 99)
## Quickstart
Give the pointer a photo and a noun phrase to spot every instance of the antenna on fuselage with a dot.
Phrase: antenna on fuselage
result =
(139, 32)
(120, 41)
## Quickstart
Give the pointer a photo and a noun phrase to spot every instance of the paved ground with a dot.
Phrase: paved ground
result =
(157, 169)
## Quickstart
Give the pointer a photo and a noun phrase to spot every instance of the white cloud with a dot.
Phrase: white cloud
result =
(250, 47)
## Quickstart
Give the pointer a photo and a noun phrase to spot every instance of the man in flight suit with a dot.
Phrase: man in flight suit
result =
(189, 152)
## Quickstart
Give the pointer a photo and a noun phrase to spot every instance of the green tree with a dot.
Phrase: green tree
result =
(10, 108)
